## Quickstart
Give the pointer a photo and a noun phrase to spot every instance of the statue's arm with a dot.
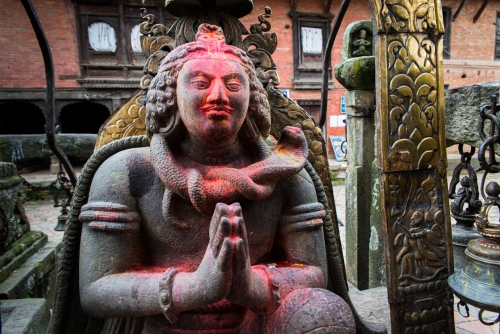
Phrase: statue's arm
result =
(300, 237)
(113, 281)
(301, 262)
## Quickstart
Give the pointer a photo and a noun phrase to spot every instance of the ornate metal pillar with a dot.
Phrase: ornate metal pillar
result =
(412, 163)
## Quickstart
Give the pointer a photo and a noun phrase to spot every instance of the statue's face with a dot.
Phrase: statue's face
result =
(213, 96)
(416, 218)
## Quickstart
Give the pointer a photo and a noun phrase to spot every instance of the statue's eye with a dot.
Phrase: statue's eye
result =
(200, 83)
(233, 84)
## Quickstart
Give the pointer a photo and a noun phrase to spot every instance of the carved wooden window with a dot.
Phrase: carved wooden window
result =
(447, 32)
(135, 38)
(310, 33)
(109, 40)
(102, 37)
(311, 41)
(497, 42)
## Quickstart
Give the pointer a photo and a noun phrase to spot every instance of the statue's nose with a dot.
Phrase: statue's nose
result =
(217, 93)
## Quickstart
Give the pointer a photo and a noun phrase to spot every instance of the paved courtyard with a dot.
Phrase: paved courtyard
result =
(372, 304)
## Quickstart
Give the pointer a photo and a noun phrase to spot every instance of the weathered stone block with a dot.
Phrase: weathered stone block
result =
(35, 277)
(13, 221)
(25, 316)
(462, 106)
(357, 73)
(20, 147)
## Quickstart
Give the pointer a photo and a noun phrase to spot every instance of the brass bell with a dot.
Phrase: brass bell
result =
(478, 282)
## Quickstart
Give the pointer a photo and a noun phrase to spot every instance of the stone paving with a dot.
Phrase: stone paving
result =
(371, 304)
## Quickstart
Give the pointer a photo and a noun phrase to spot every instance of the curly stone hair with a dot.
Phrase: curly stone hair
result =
(161, 106)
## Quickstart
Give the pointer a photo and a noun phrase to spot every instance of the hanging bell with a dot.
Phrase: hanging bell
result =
(478, 282)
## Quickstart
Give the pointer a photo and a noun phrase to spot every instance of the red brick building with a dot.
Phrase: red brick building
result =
(91, 84)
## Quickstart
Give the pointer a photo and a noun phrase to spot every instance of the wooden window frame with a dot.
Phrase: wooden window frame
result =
(308, 75)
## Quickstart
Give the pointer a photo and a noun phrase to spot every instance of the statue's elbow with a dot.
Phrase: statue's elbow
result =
(89, 300)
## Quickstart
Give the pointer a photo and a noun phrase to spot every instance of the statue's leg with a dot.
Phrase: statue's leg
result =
(311, 311)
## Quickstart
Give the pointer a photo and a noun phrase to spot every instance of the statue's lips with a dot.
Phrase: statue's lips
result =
(217, 111)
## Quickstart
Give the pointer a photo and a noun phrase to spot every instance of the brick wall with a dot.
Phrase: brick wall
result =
(281, 23)
(21, 61)
(472, 45)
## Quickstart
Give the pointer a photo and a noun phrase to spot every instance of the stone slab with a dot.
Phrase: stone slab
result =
(20, 251)
(34, 278)
(25, 316)
(20, 147)
(462, 106)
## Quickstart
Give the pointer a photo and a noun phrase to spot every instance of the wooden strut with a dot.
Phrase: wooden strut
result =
(459, 9)
(328, 6)
(50, 82)
(326, 59)
(480, 11)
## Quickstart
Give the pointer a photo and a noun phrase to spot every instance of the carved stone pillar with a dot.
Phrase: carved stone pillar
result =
(364, 237)
(412, 164)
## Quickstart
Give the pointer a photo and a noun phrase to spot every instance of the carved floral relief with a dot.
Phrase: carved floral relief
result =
(413, 112)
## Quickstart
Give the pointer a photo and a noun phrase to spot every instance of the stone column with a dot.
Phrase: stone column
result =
(364, 242)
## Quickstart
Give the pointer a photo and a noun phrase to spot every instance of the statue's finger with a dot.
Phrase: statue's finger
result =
(241, 231)
(240, 260)
(236, 209)
(224, 260)
(221, 210)
(223, 231)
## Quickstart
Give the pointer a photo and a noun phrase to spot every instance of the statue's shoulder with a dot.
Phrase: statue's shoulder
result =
(124, 169)
(133, 158)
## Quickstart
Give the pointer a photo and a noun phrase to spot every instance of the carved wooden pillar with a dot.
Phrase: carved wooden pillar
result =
(412, 163)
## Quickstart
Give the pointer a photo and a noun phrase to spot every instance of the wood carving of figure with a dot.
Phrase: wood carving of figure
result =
(211, 229)
(362, 44)
(422, 250)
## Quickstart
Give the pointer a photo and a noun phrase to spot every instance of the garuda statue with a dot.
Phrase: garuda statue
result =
(205, 225)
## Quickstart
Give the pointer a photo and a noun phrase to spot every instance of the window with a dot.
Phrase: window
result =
(109, 41)
(135, 38)
(310, 33)
(102, 37)
(497, 42)
(447, 32)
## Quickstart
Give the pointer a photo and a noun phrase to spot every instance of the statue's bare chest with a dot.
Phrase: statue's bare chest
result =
(178, 235)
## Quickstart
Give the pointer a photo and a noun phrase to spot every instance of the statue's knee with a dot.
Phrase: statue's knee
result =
(312, 311)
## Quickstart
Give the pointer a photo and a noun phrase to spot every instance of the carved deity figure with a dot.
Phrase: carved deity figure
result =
(214, 228)
(422, 250)
(362, 44)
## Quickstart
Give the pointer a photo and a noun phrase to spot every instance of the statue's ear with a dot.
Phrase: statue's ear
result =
(173, 126)
(171, 123)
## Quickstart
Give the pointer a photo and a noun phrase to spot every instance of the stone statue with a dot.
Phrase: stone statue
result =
(362, 44)
(214, 228)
